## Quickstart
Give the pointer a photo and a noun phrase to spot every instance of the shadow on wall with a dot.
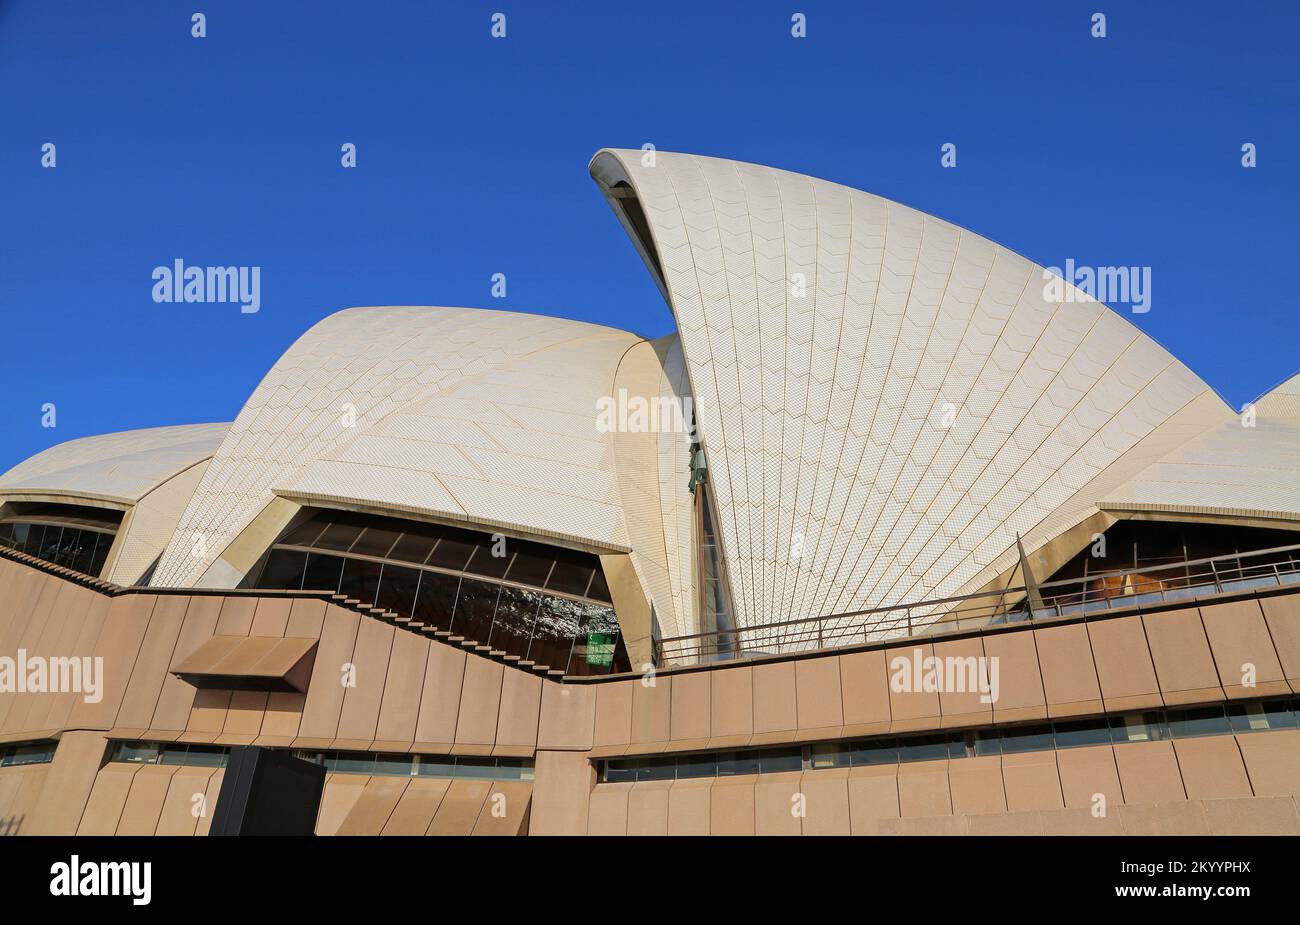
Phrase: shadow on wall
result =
(12, 825)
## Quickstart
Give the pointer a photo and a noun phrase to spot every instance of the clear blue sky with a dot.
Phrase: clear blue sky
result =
(472, 157)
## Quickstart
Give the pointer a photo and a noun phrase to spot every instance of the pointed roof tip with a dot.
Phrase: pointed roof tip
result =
(1288, 386)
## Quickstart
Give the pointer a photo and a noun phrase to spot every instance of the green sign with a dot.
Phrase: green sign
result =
(600, 649)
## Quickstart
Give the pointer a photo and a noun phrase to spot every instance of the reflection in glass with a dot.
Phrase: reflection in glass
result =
(526, 603)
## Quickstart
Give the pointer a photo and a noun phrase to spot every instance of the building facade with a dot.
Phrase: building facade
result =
(895, 534)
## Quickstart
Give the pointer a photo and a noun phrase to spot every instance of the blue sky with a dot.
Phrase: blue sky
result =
(472, 157)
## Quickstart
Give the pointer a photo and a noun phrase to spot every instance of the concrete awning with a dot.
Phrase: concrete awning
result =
(262, 663)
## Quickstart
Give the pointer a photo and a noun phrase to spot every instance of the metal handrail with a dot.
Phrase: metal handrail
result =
(1120, 588)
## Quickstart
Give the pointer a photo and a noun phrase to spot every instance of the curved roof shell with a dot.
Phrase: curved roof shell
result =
(457, 415)
(118, 469)
(886, 400)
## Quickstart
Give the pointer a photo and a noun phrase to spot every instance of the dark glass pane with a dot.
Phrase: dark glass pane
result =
(452, 551)
(377, 540)
(512, 628)
(488, 565)
(923, 748)
(173, 754)
(49, 547)
(103, 543)
(1272, 714)
(394, 765)
(360, 580)
(956, 745)
(437, 599)
(572, 572)
(69, 541)
(1083, 732)
(475, 605)
(284, 570)
(322, 573)
(1199, 722)
(879, 751)
(339, 535)
(205, 756)
(513, 769)
(415, 544)
(30, 536)
(476, 768)
(436, 766)
(732, 763)
(353, 763)
(306, 533)
(988, 742)
(38, 753)
(697, 766)
(1026, 739)
(558, 621)
(831, 755)
(599, 591)
(137, 752)
(84, 557)
(397, 589)
(7, 535)
(780, 759)
(531, 565)
(657, 769)
(1138, 727)
(620, 771)
(70, 545)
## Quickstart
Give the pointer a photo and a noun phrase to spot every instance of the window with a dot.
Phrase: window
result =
(27, 753)
(476, 604)
(691, 766)
(1199, 722)
(776, 760)
(923, 748)
(389, 765)
(322, 573)
(171, 753)
(398, 588)
(881, 751)
(1162, 550)
(1086, 732)
(731, 763)
(137, 752)
(1138, 727)
(887, 750)
(400, 765)
(1275, 714)
(360, 580)
(1026, 739)
(284, 569)
(542, 603)
(72, 536)
(429, 766)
